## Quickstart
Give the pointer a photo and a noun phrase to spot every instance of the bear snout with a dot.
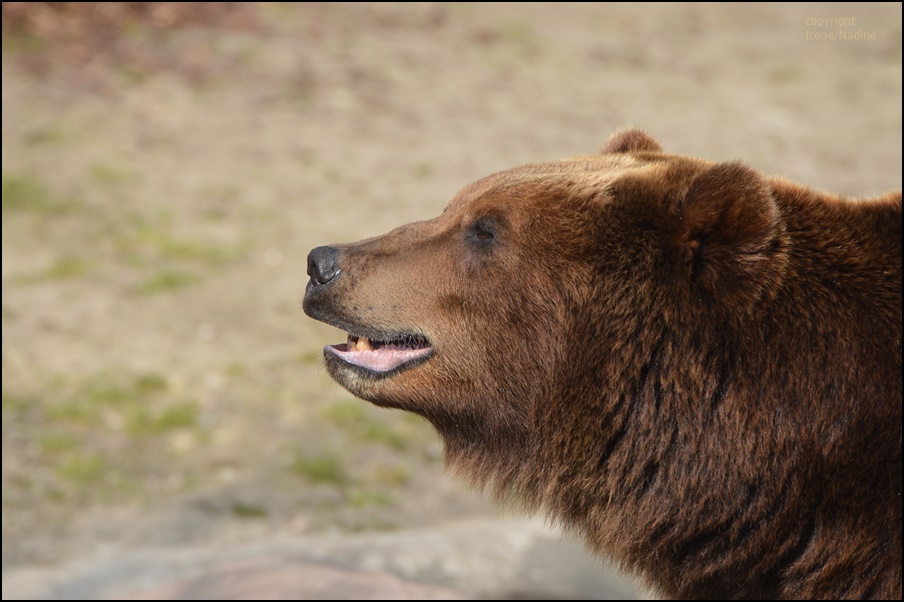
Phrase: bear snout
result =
(323, 265)
(320, 300)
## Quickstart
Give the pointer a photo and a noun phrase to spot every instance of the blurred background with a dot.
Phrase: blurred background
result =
(167, 424)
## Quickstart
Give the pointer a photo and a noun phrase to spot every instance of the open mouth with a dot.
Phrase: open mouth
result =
(382, 357)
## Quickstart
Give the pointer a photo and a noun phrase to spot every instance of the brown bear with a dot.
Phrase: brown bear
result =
(693, 365)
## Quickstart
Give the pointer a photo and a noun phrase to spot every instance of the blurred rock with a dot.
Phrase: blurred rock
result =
(486, 559)
(275, 578)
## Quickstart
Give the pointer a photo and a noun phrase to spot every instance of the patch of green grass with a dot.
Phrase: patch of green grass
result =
(384, 434)
(16, 40)
(164, 281)
(247, 510)
(149, 383)
(76, 411)
(22, 193)
(82, 468)
(108, 174)
(360, 498)
(56, 443)
(131, 75)
(145, 419)
(26, 194)
(192, 250)
(235, 369)
(66, 268)
(48, 135)
(107, 394)
(345, 413)
(352, 417)
(14, 402)
(323, 468)
(63, 268)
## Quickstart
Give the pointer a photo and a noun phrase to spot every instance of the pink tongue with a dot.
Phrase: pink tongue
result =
(384, 359)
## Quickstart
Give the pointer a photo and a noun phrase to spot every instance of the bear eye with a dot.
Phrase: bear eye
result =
(482, 231)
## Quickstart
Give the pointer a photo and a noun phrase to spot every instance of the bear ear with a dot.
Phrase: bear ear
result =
(732, 238)
(631, 141)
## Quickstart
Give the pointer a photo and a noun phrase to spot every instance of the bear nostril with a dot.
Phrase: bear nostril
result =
(323, 264)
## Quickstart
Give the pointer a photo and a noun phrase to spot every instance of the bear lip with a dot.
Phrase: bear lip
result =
(383, 355)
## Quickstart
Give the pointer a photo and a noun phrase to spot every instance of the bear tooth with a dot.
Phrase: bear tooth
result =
(364, 344)
(350, 342)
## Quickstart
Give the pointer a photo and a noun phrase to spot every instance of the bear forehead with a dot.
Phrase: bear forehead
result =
(580, 177)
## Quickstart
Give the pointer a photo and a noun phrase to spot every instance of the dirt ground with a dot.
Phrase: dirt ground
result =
(164, 179)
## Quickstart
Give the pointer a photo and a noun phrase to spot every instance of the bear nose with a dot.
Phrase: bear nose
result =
(323, 265)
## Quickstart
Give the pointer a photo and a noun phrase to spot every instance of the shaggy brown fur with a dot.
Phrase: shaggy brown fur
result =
(695, 366)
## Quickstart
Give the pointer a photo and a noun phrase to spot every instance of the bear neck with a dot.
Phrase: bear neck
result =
(647, 483)
(490, 457)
